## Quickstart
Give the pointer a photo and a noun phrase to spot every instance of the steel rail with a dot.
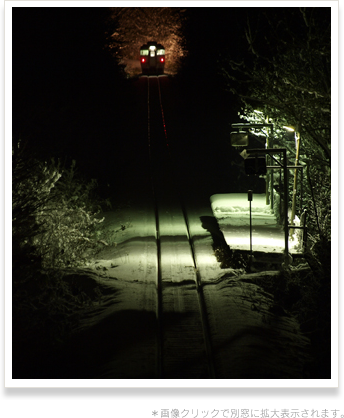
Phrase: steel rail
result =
(158, 244)
(198, 282)
(200, 294)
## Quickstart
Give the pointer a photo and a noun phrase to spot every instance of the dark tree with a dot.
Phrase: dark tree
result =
(285, 72)
(288, 72)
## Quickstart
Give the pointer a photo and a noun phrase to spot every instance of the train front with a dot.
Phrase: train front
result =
(152, 57)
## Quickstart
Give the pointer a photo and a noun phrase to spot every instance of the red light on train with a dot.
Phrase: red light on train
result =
(162, 59)
(143, 60)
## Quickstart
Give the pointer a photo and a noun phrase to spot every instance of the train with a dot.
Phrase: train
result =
(152, 58)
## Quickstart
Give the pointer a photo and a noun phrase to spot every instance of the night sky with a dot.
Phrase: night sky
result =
(71, 100)
(67, 95)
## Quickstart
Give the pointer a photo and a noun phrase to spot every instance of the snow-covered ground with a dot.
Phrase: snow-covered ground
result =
(232, 212)
(116, 339)
(251, 340)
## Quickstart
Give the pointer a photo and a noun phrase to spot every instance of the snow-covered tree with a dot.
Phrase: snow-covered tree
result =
(134, 26)
(287, 72)
(286, 75)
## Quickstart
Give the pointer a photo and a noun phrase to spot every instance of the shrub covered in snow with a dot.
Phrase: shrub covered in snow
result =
(54, 212)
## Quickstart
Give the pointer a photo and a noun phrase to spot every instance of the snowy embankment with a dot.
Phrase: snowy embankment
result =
(232, 212)
(252, 337)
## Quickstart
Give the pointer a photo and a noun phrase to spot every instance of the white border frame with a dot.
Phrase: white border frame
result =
(166, 383)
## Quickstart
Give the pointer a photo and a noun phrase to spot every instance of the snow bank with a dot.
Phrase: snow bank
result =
(232, 211)
(237, 204)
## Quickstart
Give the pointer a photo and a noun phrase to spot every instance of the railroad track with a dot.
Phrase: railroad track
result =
(183, 338)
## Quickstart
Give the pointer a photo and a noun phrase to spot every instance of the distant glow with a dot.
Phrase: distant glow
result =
(136, 27)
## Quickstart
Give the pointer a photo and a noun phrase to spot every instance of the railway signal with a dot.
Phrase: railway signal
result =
(255, 165)
(239, 139)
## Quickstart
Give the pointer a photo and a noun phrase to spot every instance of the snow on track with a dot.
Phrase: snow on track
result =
(248, 339)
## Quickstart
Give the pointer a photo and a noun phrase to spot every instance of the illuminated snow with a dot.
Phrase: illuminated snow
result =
(232, 210)
(124, 319)
(135, 247)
